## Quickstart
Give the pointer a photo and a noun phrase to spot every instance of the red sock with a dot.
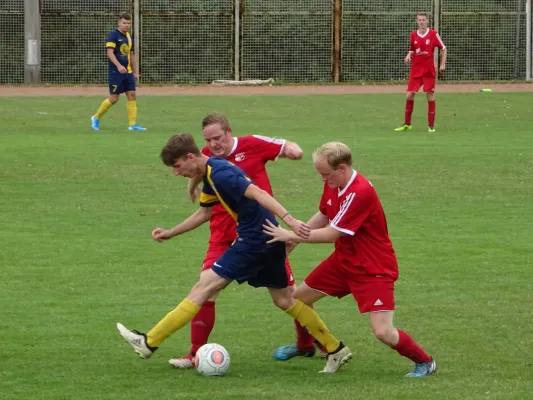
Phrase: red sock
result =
(407, 347)
(431, 113)
(202, 325)
(409, 105)
(304, 340)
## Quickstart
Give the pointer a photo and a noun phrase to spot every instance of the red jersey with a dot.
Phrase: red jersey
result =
(357, 212)
(250, 153)
(423, 47)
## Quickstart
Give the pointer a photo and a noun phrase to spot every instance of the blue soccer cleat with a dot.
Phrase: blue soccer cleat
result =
(423, 369)
(95, 123)
(136, 127)
(285, 353)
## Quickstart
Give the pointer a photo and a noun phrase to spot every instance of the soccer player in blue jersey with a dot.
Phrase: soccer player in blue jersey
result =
(250, 259)
(121, 74)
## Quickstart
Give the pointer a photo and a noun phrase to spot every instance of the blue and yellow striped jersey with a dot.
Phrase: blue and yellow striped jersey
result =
(122, 43)
(226, 183)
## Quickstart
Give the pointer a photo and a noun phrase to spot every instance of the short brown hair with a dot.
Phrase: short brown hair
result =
(125, 16)
(335, 153)
(216, 118)
(423, 14)
(177, 147)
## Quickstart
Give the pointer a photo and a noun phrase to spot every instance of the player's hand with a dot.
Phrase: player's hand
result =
(300, 228)
(290, 246)
(442, 68)
(160, 234)
(278, 233)
(122, 69)
(407, 59)
(136, 76)
(194, 193)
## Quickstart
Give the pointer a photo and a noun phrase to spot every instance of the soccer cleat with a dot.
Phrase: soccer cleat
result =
(137, 340)
(136, 127)
(404, 127)
(183, 362)
(95, 123)
(423, 369)
(285, 353)
(431, 129)
(336, 360)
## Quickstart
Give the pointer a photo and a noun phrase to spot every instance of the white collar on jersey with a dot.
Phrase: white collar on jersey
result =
(235, 142)
(354, 174)
(424, 35)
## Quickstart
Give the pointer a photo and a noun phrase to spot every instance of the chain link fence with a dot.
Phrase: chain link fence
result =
(289, 41)
(11, 41)
(375, 38)
(487, 39)
(73, 36)
(186, 41)
(198, 41)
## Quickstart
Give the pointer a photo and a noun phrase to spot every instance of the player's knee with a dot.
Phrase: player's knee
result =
(384, 333)
(284, 302)
(410, 96)
(113, 99)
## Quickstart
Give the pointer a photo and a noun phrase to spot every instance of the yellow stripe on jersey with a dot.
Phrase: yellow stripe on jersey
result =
(111, 44)
(129, 52)
(229, 210)
(208, 199)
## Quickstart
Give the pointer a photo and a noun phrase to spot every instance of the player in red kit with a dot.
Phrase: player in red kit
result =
(421, 54)
(250, 153)
(364, 262)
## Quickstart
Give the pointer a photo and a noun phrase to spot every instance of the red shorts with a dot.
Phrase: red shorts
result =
(215, 251)
(372, 294)
(428, 81)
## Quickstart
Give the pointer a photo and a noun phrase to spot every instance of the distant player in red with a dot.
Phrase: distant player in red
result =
(250, 153)
(364, 262)
(421, 53)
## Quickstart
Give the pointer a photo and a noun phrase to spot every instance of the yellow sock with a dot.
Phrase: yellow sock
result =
(174, 320)
(308, 317)
(106, 105)
(131, 107)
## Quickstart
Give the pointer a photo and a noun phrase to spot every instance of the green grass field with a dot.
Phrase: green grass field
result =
(77, 208)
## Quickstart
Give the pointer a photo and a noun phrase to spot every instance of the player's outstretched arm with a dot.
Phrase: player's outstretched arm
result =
(322, 235)
(199, 217)
(292, 151)
(317, 221)
(262, 197)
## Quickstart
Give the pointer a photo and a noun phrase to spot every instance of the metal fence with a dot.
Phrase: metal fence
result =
(198, 41)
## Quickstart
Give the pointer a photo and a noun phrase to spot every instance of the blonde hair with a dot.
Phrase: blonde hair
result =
(335, 153)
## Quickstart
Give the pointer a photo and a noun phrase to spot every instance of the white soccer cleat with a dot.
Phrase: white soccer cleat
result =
(336, 360)
(186, 362)
(137, 340)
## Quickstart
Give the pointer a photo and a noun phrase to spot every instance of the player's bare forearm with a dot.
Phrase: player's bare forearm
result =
(443, 56)
(318, 221)
(292, 151)
(199, 217)
(266, 200)
(133, 63)
(322, 235)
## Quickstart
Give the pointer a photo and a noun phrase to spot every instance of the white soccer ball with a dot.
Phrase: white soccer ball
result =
(212, 359)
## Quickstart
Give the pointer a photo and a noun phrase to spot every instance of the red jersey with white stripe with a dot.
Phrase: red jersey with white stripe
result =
(423, 47)
(250, 153)
(365, 245)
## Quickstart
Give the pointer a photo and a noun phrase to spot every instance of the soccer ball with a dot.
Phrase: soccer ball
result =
(212, 359)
